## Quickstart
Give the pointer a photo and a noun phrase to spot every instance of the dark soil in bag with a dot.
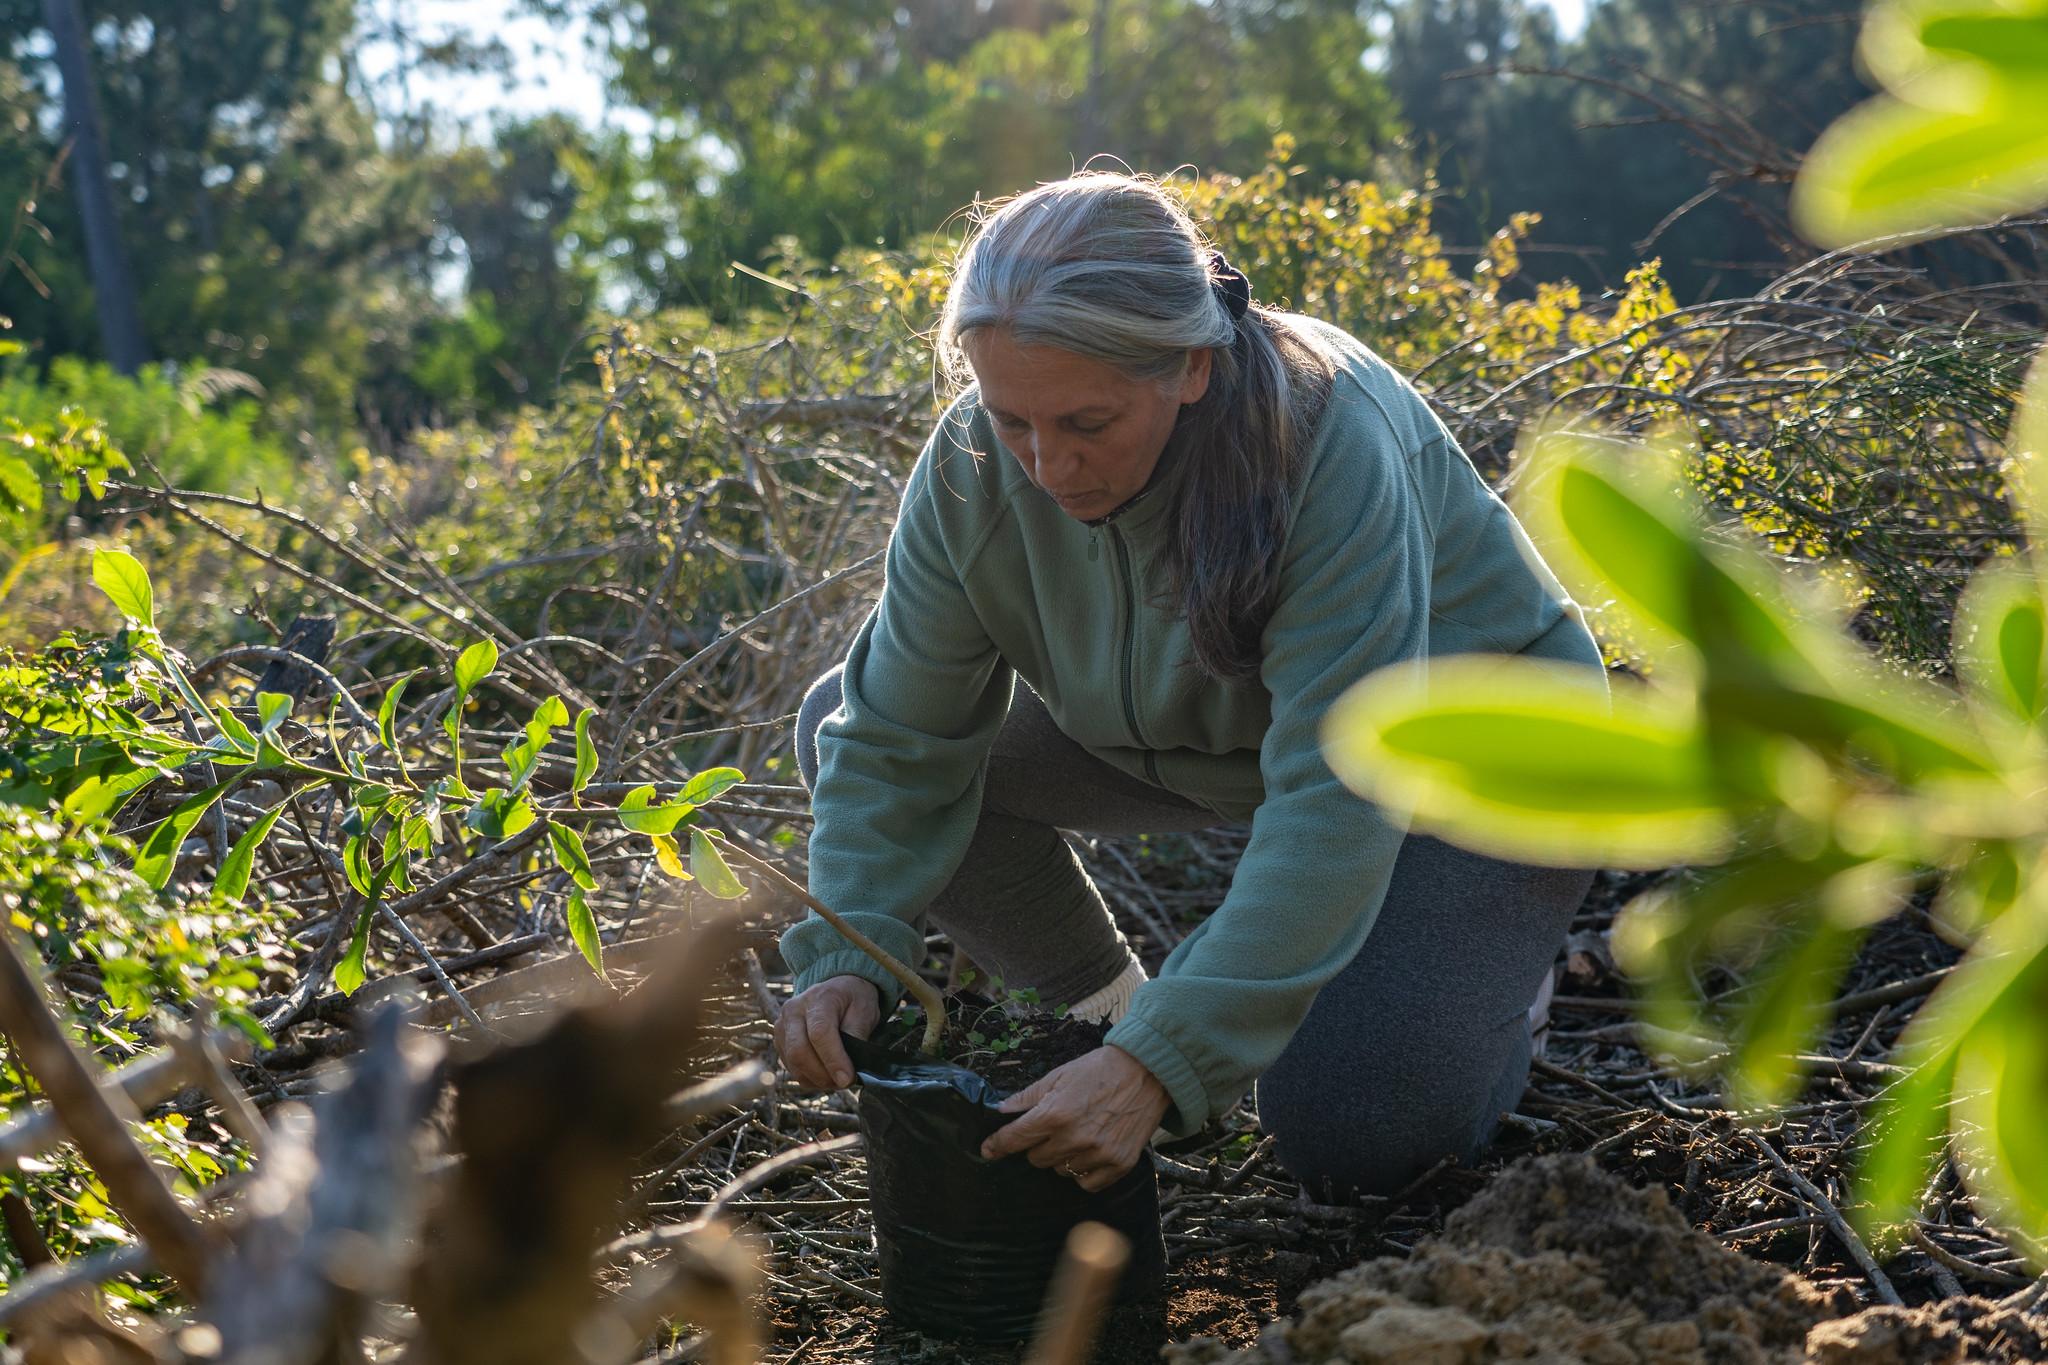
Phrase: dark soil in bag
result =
(968, 1246)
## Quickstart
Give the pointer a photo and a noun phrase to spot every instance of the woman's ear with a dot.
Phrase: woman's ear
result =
(1195, 382)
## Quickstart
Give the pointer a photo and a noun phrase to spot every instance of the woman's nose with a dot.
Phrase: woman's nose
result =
(1052, 460)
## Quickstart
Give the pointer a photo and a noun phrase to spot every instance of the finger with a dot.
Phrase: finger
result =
(1101, 1178)
(1025, 1098)
(823, 1028)
(793, 1041)
(1020, 1134)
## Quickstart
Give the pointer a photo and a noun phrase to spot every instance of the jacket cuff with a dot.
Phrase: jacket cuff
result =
(814, 952)
(1159, 1055)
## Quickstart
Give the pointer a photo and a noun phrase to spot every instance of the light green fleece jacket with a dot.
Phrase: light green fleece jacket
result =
(1397, 550)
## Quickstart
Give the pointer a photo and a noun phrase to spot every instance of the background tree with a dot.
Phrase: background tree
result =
(870, 120)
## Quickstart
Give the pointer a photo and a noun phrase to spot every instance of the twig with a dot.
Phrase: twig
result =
(928, 997)
(1836, 1224)
(96, 1118)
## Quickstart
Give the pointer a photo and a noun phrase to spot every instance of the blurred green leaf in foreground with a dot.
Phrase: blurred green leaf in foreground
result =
(1811, 782)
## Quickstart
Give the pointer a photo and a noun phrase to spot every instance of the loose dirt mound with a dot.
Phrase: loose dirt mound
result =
(1558, 1261)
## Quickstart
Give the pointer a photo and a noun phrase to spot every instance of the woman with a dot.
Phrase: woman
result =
(1186, 523)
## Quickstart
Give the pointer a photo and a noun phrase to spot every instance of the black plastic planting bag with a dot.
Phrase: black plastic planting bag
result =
(968, 1246)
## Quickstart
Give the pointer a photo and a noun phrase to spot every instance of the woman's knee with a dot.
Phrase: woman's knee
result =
(821, 701)
(1344, 1135)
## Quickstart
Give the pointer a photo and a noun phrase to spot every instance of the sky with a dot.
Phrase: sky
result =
(555, 70)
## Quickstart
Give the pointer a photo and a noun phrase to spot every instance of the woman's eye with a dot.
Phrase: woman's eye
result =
(1090, 431)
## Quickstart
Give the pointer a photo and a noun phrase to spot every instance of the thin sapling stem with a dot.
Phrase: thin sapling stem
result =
(927, 995)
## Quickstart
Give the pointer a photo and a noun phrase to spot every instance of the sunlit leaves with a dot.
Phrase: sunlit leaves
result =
(232, 881)
(472, 666)
(1530, 759)
(707, 786)
(156, 859)
(2002, 643)
(522, 756)
(1959, 137)
(639, 812)
(586, 751)
(499, 814)
(126, 583)
(583, 931)
(709, 867)
(571, 856)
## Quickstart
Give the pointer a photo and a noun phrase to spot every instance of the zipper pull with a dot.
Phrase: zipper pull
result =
(1094, 543)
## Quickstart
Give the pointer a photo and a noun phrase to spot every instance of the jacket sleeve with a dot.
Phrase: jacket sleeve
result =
(901, 763)
(1353, 598)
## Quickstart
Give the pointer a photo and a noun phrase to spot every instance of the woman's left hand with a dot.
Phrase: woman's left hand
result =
(1089, 1119)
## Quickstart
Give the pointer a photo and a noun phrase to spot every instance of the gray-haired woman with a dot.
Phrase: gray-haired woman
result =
(1186, 522)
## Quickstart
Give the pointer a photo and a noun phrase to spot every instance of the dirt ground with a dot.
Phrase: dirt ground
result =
(1559, 1261)
(1623, 1213)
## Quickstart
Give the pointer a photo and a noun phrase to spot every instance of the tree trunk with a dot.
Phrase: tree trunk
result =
(113, 285)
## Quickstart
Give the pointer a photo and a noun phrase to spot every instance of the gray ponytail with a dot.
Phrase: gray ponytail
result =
(1111, 267)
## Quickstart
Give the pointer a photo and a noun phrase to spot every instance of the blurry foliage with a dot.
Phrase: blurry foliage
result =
(1815, 783)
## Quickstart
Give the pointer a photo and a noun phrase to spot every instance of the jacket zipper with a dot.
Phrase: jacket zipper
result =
(1130, 653)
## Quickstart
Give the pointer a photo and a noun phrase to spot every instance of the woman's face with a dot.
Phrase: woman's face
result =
(1084, 432)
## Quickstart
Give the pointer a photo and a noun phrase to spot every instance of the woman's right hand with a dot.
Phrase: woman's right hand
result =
(807, 1031)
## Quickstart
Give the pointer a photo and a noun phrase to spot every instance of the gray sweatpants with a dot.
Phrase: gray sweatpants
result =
(1409, 1054)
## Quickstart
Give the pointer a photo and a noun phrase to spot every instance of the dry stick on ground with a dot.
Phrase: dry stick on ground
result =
(96, 1117)
(928, 997)
(1836, 1223)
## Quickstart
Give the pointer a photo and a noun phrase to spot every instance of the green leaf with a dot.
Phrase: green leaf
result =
(583, 929)
(571, 855)
(473, 665)
(637, 813)
(1525, 758)
(1891, 167)
(355, 862)
(122, 578)
(522, 756)
(1957, 54)
(99, 797)
(2001, 643)
(2026, 467)
(709, 867)
(499, 814)
(236, 733)
(2001, 1075)
(272, 709)
(387, 711)
(353, 968)
(1787, 1010)
(160, 854)
(233, 880)
(709, 785)
(2009, 960)
(586, 751)
(1621, 534)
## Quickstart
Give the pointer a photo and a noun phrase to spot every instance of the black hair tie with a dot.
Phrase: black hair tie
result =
(1233, 290)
